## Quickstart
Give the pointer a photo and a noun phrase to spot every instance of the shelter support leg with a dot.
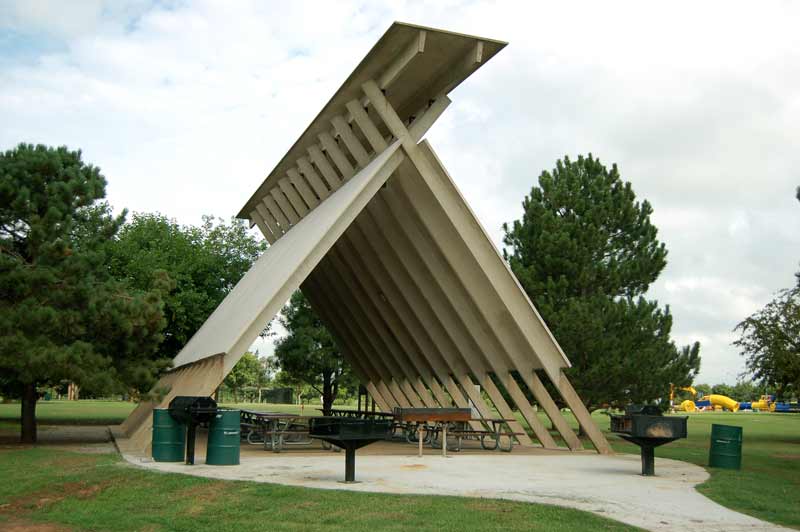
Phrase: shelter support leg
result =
(553, 412)
(199, 378)
(583, 416)
(517, 395)
(504, 410)
(377, 398)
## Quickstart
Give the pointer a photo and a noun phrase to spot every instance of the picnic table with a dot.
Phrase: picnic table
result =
(491, 438)
(362, 414)
(275, 429)
(432, 425)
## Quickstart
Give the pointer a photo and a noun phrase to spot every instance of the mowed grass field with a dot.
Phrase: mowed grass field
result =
(767, 487)
(99, 492)
(72, 412)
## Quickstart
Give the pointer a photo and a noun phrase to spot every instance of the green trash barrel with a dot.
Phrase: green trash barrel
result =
(223, 438)
(169, 437)
(726, 447)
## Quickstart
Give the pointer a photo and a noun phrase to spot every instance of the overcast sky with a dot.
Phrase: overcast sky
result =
(186, 106)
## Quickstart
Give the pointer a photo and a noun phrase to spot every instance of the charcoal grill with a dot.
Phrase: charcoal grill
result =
(192, 411)
(349, 434)
(647, 427)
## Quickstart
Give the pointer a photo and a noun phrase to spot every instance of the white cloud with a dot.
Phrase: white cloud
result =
(187, 106)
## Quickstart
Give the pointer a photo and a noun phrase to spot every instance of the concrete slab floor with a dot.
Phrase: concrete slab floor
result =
(610, 486)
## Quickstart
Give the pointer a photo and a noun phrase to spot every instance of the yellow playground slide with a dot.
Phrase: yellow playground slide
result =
(723, 401)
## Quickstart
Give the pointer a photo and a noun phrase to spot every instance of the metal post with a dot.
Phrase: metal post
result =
(419, 435)
(275, 438)
(349, 464)
(648, 461)
(190, 434)
(444, 439)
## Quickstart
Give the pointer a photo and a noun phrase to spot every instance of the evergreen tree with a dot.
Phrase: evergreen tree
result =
(585, 251)
(63, 316)
(308, 354)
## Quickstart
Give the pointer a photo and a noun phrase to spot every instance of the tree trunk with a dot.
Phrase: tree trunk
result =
(28, 413)
(327, 394)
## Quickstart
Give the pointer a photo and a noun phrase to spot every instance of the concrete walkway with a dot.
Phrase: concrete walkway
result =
(607, 486)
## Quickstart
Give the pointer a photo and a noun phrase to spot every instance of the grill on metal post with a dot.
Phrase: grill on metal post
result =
(192, 411)
(349, 434)
(647, 427)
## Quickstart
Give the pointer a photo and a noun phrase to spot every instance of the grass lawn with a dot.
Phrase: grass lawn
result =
(767, 487)
(99, 492)
(88, 412)
(72, 412)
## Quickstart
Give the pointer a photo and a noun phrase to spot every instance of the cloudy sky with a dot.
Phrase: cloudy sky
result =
(186, 106)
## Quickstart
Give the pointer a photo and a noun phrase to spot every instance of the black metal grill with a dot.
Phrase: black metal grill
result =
(349, 434)
(192, 411)
(187, 408)
(647, 427)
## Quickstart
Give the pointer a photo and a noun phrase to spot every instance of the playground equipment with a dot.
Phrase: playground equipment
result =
(715, 401)
(686, 406)
(723, 401)
(765, 404)
(793, 407)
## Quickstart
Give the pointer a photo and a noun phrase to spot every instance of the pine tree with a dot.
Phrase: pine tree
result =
(62, 315)
(585, 251)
